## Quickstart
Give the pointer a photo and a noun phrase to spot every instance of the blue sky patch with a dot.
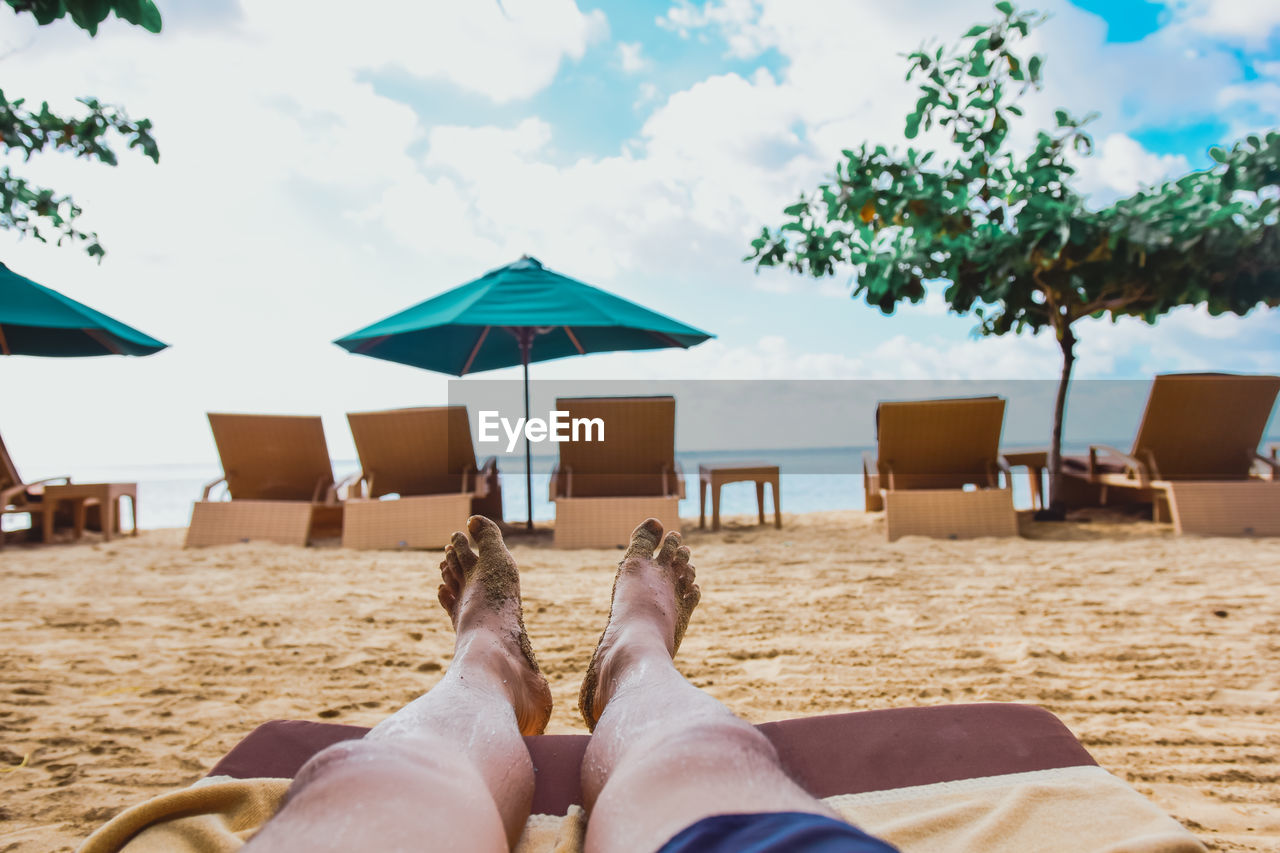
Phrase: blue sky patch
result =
(1127, 20)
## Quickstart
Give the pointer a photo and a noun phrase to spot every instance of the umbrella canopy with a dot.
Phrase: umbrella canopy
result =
(477, 326)
(35, 320)
(517, 314)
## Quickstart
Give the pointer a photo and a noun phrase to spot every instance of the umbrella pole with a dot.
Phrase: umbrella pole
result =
(526, 344)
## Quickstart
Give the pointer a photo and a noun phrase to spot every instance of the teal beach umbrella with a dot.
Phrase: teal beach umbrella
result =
(517, 314)
(35, 320)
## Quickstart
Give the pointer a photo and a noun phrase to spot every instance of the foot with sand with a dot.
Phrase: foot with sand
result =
(481, 594)
(449, 770)
(653, 598)
(666, 761)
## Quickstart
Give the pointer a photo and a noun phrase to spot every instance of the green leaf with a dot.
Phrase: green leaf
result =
(1218, 154)
(46, 13)
(976, 30)
(1062, 117)
(150, 19)
(87, 14)
(1033, 67)
(128, 10)
(1005, 8)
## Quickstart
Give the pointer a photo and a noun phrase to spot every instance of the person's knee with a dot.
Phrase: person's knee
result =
(707, 747)
(719, 739)
(382, 782)
(381, 759)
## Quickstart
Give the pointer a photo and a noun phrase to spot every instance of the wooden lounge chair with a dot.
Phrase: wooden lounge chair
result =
(929, 451)
(1193, 458)
(426, 457)
(279, 479)
(990, 777)
(603, 489)
(18, 497)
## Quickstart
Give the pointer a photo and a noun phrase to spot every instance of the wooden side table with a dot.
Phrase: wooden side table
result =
(106, 495)
(1036, 460)
(716, 475)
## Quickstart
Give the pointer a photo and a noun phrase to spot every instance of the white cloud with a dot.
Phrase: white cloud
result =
(1251, 107)
(737, 21)
(631, 56)
(647, 93)
(785, 357)
(470, 148)
(1248, 22)
(1188, 339)
(1120, 166)
(503, 50)
(713, 162)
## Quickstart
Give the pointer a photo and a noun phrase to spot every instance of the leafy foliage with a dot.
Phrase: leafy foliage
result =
(28, 208)
(22, 204)
(87, 14)
(1015, 242)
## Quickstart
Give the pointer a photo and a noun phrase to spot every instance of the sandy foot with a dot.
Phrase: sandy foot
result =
(649, 591)
(481, 594)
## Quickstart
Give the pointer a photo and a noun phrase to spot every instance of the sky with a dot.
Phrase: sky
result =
(322, 167)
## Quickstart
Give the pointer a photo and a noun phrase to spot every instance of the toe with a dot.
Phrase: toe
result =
(669, 546)
(450, 571)
(484, 532)
(462, 551)
(682, 555)
(645, 538)
(447, 598)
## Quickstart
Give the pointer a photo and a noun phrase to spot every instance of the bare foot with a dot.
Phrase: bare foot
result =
(653, 598)
(481, 594)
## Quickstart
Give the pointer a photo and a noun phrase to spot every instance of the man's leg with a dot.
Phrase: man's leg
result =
(449, 771)
(664, 754)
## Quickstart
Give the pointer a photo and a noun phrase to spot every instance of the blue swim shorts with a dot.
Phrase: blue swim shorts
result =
(773, 832)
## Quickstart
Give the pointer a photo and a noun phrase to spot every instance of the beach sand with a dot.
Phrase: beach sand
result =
(127, 668)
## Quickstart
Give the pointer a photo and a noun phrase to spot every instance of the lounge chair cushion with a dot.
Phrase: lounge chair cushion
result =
(954, 778)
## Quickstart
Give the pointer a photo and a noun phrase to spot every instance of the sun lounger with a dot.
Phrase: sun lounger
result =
(601, 488)
(18, 497)
(1192, 459)
(279, 479)
(424, 456)
(992, 777)
(937, 469)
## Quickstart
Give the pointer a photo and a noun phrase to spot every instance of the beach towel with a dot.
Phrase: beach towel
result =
(1084, 809)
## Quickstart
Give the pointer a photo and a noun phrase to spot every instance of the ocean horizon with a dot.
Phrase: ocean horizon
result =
(812, 480)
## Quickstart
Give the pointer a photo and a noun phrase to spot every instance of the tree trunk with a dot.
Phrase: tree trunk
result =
(1057, 510)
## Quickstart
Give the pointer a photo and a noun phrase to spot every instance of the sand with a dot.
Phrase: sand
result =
(127, 668)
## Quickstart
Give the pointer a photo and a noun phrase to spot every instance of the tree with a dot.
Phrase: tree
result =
(28, 208)
(1017, 245)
